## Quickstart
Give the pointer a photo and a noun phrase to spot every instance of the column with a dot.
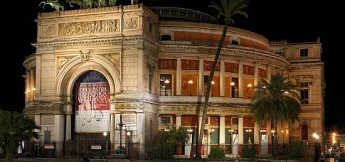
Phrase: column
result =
(38, 123)
(222, 130)
(240, 130)
(269, 72)
(32, 84)
(27, 91)
(68, 121)
(256, 74)
(112, 119)
(178, 120)
(201, 76)
(240, 78)
(178, 77)
(310, 94)
(256, 133)
(222, 78)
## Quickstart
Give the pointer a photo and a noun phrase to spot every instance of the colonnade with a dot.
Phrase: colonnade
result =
(222, 76)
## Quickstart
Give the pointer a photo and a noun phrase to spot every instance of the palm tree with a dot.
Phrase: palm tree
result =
(169, 140)
(226, 10)
(275, 99)
(14, 129)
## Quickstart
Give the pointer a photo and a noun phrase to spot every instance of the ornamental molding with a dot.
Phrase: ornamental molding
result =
(296, 66)
(191, 109)
(112, 9)
(63, 60)
(131, 23)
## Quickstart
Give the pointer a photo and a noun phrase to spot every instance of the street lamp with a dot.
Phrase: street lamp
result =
(317, 147)
(190, 82)
(106, 144)
(121, 127)
(249, 138)
(127, 140)
(190, 130)
(166, 82)
(231, 131)
(273, 141)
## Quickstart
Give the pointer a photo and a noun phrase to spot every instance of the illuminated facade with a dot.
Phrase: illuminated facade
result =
(105, 69)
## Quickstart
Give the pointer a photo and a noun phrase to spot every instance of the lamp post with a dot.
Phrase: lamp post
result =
(166, 82)
(106, 144)
(249, 133)
(317, 147)
(121, 127)
(127, 141)
(273, 141)
(190, 82)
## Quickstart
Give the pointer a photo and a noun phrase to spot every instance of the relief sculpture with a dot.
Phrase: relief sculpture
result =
(88, 27)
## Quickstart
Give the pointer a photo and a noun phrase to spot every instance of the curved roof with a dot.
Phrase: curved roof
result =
(183, 14)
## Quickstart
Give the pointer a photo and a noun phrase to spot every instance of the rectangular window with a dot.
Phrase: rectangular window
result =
(304, 96)
(165, 85)
(303, 52)
(166, 120)
(304, 90)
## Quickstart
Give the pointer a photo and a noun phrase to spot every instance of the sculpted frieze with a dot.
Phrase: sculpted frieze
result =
(88, 27)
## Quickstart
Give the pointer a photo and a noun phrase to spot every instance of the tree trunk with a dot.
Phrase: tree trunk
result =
(204, 112)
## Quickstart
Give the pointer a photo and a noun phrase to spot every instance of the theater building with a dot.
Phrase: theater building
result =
(106, 77)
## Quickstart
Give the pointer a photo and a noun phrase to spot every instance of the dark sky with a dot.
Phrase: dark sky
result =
(294, 20)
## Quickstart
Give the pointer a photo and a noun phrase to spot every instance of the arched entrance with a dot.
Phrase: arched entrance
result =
(91, 114)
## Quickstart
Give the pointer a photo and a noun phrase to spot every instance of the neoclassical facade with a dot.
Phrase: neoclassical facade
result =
(122, 73)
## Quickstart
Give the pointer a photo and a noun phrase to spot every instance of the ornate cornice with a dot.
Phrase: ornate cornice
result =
(68, 44)
(230, 50)
(119, 8)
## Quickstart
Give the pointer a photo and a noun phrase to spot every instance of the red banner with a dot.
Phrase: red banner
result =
(93, 96)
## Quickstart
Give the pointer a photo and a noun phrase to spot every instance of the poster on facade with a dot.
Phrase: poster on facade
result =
(92, 107)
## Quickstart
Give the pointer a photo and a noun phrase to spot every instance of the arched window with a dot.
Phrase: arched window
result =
(304, 132)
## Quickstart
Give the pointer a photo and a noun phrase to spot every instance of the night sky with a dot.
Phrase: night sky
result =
(294, 20)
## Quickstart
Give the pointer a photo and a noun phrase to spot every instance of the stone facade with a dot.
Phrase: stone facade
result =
(156, 71)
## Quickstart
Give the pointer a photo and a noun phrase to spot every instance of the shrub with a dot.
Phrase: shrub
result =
(163, 151)
(294, 149)
(248, 151)
(217, 153)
